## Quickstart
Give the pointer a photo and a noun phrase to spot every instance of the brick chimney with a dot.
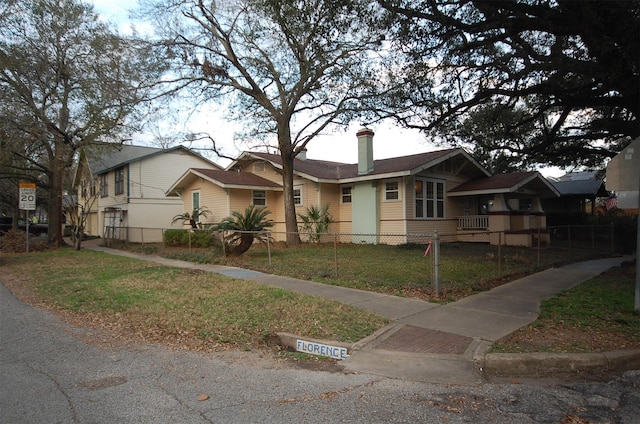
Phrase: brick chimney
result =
(365, 150)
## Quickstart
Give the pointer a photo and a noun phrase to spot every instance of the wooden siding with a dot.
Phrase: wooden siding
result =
(269, 172)
(392, 212)
(212, 197)
(152, 177)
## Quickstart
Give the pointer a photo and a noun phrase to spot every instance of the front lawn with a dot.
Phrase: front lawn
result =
(402, 270)
(596, 316)
(181, 307)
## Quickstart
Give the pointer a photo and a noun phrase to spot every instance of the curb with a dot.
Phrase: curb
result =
(553, 364)
(290, 341)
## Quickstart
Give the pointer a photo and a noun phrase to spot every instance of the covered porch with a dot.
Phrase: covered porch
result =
(504, 209)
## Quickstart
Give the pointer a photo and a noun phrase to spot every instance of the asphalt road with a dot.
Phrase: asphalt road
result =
(51, 372)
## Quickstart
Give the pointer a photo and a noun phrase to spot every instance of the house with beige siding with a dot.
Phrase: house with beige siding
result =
(446, 191)
(127, 185)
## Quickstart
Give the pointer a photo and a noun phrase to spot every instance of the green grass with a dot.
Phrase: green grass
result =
(602, 303)
(184, 306)
(596, 315)
(402, 270)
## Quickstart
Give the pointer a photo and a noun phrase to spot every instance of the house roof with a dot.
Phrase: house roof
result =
(515, 182)
(224, 179)
(104, 157)
(580, 184)
(319, 170)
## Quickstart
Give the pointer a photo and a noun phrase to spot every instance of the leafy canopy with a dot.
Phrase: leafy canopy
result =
(543, 81)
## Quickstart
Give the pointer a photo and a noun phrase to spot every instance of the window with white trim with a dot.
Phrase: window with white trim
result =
(119, 177)
(297, 196)
(391, 190)
(104, 186)
(195, 200)
(429, 198)
(259, 197)
(346, 194)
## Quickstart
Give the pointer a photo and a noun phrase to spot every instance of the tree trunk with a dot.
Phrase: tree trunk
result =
(246, 241)
(55, 200)
(286, 153)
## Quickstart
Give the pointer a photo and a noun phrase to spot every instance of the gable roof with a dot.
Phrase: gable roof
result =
(224, 179)
(327, 171)
(515, 182)
(585, 183)
(104, 157)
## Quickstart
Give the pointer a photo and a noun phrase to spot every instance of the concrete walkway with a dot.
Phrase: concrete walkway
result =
(427, 341)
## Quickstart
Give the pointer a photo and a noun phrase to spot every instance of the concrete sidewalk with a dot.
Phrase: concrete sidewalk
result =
(431, 342)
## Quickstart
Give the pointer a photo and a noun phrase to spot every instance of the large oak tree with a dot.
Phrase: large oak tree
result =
(288, 70)
(525, 81)
(66, 80)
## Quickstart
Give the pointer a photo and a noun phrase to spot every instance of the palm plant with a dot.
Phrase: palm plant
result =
(245, 228)
(315, 222)
(193, 217)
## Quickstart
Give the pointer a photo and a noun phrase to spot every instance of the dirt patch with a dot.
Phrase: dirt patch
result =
(550, 337)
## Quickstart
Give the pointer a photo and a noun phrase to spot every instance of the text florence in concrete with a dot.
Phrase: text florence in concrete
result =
(321, 349)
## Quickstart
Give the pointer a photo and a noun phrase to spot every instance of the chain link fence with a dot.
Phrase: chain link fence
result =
(395, 263)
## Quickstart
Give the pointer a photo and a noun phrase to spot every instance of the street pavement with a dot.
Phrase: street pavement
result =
(53, 372)
(448, 343)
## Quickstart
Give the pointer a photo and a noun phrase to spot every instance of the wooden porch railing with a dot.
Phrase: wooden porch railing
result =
(473, 222)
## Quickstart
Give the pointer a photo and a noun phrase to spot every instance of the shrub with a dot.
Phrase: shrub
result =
(244, 229)
(14, 241)
(625, 229)
(315, 222)
(176, 238)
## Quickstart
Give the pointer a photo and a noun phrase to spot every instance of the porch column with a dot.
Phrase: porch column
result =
(499, 218)
(536, 205)
(499, 204)
(539, 214)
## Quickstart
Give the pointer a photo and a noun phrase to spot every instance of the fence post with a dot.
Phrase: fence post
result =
(142, 236)
(269, 248)
(500, 254)
(335, 253)
(224, 245)
(538, 247)
(436, 262)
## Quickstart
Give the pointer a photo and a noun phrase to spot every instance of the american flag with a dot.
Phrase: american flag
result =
(611, 202)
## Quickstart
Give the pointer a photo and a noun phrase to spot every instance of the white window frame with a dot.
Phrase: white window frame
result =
(261, 198)
(388, 191)
(104, 185)
(437, 203)
(344, 196)
(297, 196)
(119, 181)
(195, 194)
